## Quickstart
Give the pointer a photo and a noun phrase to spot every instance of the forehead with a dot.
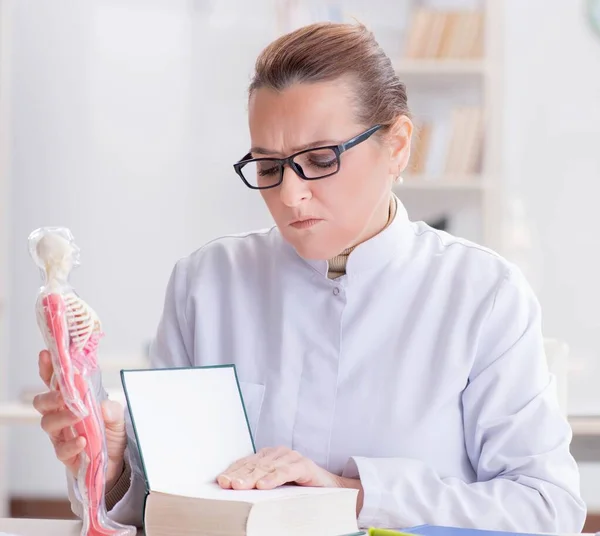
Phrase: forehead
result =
(300, 115)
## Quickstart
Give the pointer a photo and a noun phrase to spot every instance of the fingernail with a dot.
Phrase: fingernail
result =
(224, 479)
(239, 481)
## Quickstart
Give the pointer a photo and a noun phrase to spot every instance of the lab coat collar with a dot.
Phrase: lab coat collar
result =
(393, 241)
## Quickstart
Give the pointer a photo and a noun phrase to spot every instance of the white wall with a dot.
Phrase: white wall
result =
(5, 56)
(50, 155)
(104, 142)
(226, 38)
(552, 150)
(552, 142)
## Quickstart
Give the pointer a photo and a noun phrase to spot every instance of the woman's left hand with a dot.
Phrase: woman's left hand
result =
(273, 467)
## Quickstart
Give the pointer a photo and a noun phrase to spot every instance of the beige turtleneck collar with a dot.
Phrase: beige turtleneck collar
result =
(337, 265)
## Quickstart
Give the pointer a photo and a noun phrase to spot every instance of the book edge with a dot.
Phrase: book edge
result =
(137, 439)
(349, 491)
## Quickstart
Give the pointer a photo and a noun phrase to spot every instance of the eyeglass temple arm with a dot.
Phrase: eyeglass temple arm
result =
(358, 139)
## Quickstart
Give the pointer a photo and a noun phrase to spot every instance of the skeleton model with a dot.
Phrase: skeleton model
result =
(72, 331)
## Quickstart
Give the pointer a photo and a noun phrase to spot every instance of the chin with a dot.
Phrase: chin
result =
(312, 250)
(315, 245)
(311, 255)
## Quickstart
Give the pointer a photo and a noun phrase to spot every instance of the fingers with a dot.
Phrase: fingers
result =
(48, 402)
(239, 464)
(294, 472)
(247, 476)
(271, 467)
(68, 434)
(54, 423)
(290, 466)
(45, 367)
(267, 452)
(68, 450)
(242, 466)
(114, 415)
(225, 479)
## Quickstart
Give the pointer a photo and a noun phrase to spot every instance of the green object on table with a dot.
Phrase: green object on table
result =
(386, 532)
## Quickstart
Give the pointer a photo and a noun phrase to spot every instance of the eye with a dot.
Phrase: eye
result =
(320, 159)
(322, 164)
(267, 172)
(267, 169)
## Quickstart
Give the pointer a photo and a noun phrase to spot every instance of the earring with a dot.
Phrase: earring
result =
(399, 179)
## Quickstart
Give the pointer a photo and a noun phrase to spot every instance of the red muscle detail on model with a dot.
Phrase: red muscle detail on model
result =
(73, 379)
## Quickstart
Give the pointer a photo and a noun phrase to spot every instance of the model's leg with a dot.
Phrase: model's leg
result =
(99, 524)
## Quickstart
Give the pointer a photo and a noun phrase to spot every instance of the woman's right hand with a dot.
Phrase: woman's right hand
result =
(57, 421)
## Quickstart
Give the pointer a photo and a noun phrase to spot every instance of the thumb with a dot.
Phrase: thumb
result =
(113, 414)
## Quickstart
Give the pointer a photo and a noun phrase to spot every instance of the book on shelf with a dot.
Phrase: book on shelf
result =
(421, 142)
(190, 424)
(451, 150)
(446, 34)
(463, 156)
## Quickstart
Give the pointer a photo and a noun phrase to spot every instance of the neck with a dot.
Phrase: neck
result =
(337, 265)
(56, 278)
(379, 222)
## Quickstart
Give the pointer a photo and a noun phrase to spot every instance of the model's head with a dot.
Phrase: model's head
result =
(54, 251)
(324, 85)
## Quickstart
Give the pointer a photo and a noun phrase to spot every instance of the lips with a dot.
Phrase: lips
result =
(305, 223)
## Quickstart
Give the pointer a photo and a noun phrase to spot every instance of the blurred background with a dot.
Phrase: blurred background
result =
(121, 120)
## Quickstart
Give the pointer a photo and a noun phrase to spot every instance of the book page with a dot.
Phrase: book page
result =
(214, 491)
(190, 425)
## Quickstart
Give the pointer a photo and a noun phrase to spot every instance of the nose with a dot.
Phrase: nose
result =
(293, 190)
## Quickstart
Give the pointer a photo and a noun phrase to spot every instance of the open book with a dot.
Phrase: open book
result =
(190, 424)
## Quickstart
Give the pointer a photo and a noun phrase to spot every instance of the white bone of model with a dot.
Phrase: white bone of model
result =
(57, 256)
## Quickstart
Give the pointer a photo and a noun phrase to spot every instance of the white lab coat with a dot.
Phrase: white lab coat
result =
(421, 371)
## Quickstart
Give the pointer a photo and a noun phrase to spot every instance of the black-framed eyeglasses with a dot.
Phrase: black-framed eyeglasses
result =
(309, 164)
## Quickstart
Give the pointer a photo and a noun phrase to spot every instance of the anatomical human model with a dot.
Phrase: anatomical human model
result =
(72, 331)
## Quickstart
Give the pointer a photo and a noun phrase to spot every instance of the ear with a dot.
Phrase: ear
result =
(399, 139)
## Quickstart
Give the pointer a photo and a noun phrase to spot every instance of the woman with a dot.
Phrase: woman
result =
(390, 357)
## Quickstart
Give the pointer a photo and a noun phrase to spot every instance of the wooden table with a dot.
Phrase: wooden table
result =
(43, 527)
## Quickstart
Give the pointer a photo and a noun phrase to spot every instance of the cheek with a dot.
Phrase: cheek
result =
(362, 179)
(273, 202)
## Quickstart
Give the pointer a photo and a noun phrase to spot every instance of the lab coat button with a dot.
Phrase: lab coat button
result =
(336, 291)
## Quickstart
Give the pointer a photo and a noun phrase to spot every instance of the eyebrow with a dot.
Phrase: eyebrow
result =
(312, 144)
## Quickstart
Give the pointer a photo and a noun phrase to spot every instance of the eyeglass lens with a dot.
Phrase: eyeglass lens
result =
(313, 165)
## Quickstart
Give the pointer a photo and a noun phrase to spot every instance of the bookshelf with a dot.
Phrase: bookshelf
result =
(451, 63)
(441, 76)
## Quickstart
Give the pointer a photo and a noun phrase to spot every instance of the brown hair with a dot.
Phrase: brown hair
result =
(327, 51)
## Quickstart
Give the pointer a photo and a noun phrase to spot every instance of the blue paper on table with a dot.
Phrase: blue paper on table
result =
(434, 530)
